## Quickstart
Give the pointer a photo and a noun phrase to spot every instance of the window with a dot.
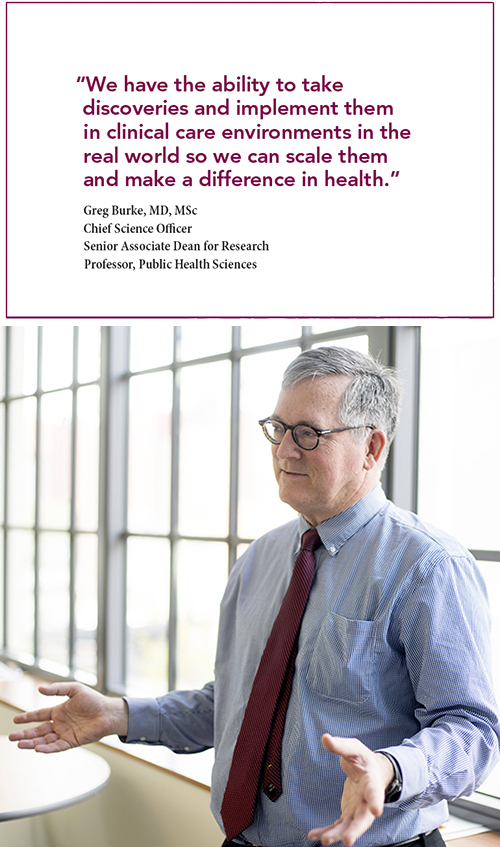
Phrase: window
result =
(50, 427)
(459, 467)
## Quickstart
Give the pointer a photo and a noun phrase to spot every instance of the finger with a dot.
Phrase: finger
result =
(28, 738)
(33, 717)
(32, 731)
(49, 743)
(367, 800)
(54, 747)
(332, 832)
(61, 689)
(375, 797)
(347, 747)
(320, 831)
(356, 829)
(327, 834)
(33, 743)
(346, 829)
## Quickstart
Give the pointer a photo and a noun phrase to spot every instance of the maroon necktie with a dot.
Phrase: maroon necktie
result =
(262, 728)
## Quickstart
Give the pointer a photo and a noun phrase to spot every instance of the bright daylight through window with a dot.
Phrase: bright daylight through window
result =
(458, 468)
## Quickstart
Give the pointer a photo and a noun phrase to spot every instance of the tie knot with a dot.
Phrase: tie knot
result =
(310, 540)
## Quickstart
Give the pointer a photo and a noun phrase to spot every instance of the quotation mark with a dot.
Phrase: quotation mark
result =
(393, 173)
(81, 79)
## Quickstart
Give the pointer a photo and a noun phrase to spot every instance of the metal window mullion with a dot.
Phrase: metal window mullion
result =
(338, 334)
(72, 565)
(181, 536)
(174, 510)
(306, 338)
(402, 465)
(36, 563)
(486, 555)
(381, 346)
(5, 492)
(115, 346)
(102, 541)
(234, 443)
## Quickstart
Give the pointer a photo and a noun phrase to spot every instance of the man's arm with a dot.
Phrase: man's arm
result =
(441, 628)
(85, 717)
(181, 720)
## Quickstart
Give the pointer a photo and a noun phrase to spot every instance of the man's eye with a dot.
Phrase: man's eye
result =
(307, 434)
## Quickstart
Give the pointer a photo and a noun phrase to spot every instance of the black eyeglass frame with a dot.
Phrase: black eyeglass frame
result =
(318, 432)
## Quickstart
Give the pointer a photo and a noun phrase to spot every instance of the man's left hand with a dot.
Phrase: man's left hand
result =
(368, 775)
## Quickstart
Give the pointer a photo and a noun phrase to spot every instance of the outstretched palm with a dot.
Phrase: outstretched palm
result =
(367, 774)
(85, 717)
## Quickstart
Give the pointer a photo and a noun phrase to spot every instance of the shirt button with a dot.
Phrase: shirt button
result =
(142, 738)
(186, 749)
(333, 549)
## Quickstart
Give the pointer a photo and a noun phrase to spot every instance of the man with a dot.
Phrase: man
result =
(391, 685)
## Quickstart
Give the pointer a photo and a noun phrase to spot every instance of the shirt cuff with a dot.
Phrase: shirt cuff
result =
(143, 721)
(413, 769)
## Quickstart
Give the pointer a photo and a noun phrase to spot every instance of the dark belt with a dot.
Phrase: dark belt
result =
(419, 839)
(426, 839)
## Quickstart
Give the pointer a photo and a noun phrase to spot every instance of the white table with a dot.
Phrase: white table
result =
(33, 783)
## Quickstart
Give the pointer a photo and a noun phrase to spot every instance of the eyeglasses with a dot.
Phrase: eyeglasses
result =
(307, 437)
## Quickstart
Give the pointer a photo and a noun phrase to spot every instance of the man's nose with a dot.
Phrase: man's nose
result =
(288, 448)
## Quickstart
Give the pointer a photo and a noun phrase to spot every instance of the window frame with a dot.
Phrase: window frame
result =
(41, 667)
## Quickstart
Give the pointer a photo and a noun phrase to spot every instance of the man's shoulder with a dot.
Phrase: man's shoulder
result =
(285, 534)
(424, 534)
(277, 544)
(267, 560)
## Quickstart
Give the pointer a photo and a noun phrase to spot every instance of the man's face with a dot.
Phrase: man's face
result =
(320, 483)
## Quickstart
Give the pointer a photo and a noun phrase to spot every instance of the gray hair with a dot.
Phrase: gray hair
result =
(373, 396)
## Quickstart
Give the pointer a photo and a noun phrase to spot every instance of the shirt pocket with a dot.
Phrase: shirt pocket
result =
(341, 666)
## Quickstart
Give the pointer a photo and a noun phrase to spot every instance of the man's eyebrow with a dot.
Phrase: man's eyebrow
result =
(299, 423)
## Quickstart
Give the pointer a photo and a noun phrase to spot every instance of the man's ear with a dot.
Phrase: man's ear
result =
(375, 444)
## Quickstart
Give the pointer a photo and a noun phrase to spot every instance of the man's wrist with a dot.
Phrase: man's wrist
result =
(395, 785)
(118, 716)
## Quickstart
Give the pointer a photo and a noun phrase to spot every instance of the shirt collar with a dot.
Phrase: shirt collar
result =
(335, 531)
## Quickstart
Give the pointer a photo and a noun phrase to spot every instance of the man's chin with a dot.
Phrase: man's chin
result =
(291, 498)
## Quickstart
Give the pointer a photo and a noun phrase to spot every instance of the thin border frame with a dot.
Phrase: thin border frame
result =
(246, 3)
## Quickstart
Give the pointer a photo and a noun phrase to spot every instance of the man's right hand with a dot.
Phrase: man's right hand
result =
(85, 717)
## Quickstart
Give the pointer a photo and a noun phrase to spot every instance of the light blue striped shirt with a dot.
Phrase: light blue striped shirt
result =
(394, 650)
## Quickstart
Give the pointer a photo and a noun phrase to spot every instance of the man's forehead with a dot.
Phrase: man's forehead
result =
(314, 395)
